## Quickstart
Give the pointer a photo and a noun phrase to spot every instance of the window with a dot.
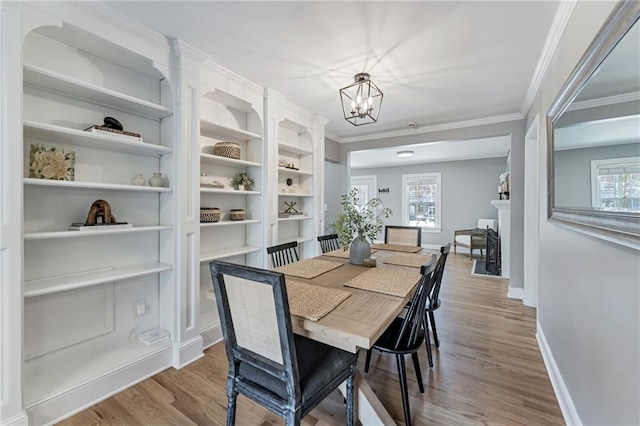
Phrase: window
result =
(421, 201)
(615, 184)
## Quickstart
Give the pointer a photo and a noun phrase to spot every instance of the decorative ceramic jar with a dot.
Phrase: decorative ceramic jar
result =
(237, 214)
(359, 249)
(138, 180)
(156, 180)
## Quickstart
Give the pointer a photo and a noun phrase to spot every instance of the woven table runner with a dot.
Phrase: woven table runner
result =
(397, 247)
(311, 301)
(340, 253)
(413, 260)
(387, 281)
(308, 268)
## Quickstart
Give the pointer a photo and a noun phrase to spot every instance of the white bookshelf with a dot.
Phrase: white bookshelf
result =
(93, 233)
(230, 223)
(207, 256)
(93, 185)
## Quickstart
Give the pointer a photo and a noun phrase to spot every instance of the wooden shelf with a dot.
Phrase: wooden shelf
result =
(229, 223)
(51, 285)
(294, 172)
(283, 146)
(79, 234)
(93, 140)
(285, 194)
(295, 217)
(228, 162)
(228, 252)
(93, 185)
(70, 87)
(227, 191)
(209, 128)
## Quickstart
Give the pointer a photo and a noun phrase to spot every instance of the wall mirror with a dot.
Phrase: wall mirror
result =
(594, 135)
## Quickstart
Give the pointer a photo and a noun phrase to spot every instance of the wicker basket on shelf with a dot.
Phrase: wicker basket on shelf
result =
(227, 149)
(209, 214)
(237, 214)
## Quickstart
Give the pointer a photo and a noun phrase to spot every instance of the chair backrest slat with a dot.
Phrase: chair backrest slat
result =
(403, 235)
(283, 254)
(435, 291)
(328, 242)
(413, 321)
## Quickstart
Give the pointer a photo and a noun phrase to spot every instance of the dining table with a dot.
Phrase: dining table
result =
(359, 320)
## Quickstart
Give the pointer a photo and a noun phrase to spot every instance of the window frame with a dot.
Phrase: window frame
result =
(595, 188)
(406, 178)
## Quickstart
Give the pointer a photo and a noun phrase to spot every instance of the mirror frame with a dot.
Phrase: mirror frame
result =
(618, 227)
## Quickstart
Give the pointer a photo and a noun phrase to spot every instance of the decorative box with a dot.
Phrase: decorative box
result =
(209, 214)
(370, 262)
(237, 214)
(227, 149)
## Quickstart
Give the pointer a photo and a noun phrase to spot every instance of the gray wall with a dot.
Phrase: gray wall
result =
(513, 128)
(572, 176)
(335, 184)
(331, 150)
(467, 190)
(589, 289)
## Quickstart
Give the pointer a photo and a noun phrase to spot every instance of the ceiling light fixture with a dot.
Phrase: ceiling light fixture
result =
(361, 100)
(404, 154)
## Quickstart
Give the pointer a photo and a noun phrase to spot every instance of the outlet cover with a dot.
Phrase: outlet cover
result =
(139, 308)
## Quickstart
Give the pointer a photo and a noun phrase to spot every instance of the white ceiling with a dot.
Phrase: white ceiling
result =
(436, 62)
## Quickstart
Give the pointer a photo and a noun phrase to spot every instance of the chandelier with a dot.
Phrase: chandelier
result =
(361, 100)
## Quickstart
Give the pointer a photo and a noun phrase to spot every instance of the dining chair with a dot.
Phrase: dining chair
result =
(403, 235)
(287, 374)
(405, 335)
(283, 254)
(328, 242)
(433, 302)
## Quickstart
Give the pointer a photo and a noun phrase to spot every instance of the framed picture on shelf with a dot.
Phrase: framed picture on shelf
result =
(49, 162)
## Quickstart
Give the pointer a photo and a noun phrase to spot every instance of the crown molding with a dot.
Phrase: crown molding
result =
(214, 69)
(560, 21)
(609, 100)
(435, 128)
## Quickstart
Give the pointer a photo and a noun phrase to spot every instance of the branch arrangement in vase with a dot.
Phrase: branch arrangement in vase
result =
(358, 219)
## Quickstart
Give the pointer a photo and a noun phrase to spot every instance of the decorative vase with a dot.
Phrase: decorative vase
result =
(138, 180)
(156, 180)
(359, 249)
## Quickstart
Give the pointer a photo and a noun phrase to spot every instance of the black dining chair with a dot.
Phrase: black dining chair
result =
(433, 302)
(405, 335)
(283, 254)
(328, 242)
(403, 235)
(287, 374)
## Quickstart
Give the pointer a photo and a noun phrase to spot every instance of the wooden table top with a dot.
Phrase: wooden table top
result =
(360, 319)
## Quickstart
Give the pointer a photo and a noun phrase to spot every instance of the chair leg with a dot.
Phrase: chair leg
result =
(432, 320)
(367, 361)
(416, 366)
(427, 340)
(350, 396)
(402, 372)
(231, 402)
(293, 418)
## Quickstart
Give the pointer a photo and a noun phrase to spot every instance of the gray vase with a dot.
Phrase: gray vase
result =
(359, 250)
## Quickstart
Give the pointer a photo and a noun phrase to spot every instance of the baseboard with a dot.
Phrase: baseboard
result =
(515, 293)
(84, 396)
(187, 352)
(559, 388)
(18, 420)
(211, 336)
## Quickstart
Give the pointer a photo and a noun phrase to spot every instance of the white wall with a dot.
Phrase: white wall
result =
(589, 289)
(467, 190)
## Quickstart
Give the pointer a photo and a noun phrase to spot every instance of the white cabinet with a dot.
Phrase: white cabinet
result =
(231, 110)
(80, 286)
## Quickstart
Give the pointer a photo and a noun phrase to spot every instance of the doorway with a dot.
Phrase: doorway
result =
(366, 187)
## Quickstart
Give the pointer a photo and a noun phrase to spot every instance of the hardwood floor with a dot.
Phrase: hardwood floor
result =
(488, 370)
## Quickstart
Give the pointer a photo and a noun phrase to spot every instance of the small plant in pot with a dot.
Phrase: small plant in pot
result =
(241, 181)
(358, 224)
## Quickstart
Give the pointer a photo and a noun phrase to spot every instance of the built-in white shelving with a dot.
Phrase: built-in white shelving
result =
(228, 252)
(51, 132)
(224, 161)
(295, 194)
(294, 172)
(283, 146)
(73, 88)
(227, 191)
(216, 129)
(294, 217)
(92, 233)
(299, 240)
(94, 185)
(51, 285)
(230, 223)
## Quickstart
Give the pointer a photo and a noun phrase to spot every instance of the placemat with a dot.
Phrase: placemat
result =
(388, 281)
(341, 253)
(413, 260)
(397, 247)
(308, 268)
(311, 301)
